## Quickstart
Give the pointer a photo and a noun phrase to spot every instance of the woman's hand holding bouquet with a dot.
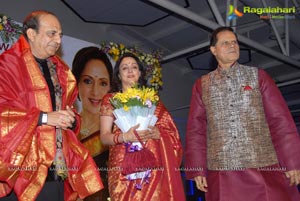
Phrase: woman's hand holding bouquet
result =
(151, 133)
(134, 113)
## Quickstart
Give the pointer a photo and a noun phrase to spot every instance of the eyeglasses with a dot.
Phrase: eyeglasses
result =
(228, 43)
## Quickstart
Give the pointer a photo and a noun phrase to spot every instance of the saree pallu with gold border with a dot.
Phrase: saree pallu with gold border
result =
(100, 155)
(26, 149)
(165, 183)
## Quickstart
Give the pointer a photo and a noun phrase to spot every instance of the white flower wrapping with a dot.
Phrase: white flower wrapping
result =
(135, 115)
(144, 116)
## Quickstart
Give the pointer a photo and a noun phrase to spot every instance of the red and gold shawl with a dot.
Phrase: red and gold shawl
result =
(27, 150)
(165, 183)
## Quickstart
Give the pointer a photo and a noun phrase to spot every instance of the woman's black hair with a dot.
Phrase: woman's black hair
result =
(116, 83)
(84, 55)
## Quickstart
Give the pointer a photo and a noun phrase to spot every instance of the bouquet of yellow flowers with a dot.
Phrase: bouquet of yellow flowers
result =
(135, 106)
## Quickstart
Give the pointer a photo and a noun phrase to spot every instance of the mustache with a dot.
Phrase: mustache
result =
(55, 45)
(233, 51)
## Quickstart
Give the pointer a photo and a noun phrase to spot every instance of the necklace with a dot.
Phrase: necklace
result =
(86, 131)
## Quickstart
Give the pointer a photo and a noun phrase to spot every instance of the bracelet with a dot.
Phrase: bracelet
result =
(123, 137)
(116, 138)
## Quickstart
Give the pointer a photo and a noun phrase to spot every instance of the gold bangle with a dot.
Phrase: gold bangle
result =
(116, 138)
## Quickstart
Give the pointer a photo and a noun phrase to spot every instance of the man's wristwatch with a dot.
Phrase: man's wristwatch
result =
(44, 118)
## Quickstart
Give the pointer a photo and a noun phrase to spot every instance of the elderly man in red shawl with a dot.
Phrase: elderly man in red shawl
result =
(40, 156)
